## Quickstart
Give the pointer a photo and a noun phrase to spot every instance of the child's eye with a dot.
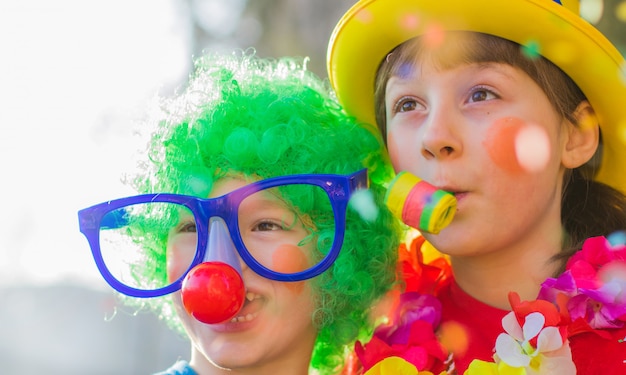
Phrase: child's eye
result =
(264, 226)
(406, 104)
(481, 94)
(186, 227)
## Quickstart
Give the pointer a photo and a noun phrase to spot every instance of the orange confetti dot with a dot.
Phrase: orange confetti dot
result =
(500, 143)
(453, 336)
(410, 22)
(290, 259)
(364, 16)
(434, 36)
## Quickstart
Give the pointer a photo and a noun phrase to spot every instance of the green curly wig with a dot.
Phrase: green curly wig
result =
(266, 118)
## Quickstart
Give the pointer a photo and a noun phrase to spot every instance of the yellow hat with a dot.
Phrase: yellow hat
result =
(372, 28)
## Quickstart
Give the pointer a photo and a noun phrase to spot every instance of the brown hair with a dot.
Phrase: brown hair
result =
(589, 208)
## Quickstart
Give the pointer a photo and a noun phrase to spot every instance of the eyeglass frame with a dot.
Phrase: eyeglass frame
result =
(339, 189)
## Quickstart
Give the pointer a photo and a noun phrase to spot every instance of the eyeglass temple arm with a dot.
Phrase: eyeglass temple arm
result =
(359, 180)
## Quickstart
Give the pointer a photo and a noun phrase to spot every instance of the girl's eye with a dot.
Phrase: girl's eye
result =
(264, 226)
(481, 94)
(405, 105)
(187, 227)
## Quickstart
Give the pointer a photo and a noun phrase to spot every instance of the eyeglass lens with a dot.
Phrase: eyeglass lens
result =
(150, 245)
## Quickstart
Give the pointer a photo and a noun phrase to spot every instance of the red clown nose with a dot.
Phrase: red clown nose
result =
(213, 291)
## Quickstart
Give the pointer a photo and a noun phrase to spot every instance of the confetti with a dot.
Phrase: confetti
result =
(365, 16)
(410, 22)
(434, 36)
(617, 238)
(592, 10)
(532, 148)
(362, 201)
(531, 49)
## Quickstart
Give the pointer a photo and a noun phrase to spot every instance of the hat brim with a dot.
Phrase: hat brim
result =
(372, 28)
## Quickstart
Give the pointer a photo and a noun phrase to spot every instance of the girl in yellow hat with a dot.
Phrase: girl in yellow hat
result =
(518, 108)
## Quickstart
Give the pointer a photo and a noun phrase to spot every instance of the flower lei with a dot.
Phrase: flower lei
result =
(589, 296)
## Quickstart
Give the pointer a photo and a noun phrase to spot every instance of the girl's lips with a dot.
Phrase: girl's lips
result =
(461, 195)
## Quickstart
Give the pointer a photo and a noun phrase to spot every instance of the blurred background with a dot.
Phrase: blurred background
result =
(73, 76)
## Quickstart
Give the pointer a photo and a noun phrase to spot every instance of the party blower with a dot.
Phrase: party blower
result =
(419, 204)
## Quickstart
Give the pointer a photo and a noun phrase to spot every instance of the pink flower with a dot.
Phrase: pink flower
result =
(409, 335)
(596, 252)
(604, 307)
(595, 283)
(412, 307)
(564, 284)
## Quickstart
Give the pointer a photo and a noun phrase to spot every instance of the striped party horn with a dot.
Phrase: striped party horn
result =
(419, 204)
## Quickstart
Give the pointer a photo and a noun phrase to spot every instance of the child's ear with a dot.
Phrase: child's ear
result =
(582, 137)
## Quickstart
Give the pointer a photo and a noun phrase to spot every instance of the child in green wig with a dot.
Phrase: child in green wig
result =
(243, 121)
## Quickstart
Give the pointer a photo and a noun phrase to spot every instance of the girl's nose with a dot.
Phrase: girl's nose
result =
(440, 138)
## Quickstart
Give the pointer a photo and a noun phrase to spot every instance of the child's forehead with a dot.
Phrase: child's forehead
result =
(453, 49)
(226, 184)
(424, 68)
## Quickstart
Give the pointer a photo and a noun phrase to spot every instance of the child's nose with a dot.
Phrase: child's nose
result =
(439, 136)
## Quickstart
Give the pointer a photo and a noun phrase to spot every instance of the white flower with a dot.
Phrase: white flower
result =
(551, 355)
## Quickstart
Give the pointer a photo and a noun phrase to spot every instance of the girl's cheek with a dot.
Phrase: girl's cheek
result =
(517, 147)
(179, 257)
(290, 259)
(394, 153)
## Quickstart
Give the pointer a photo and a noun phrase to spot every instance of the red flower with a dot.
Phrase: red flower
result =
(418, 276)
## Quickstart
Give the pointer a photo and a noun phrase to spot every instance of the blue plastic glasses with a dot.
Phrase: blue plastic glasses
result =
(287, 228)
